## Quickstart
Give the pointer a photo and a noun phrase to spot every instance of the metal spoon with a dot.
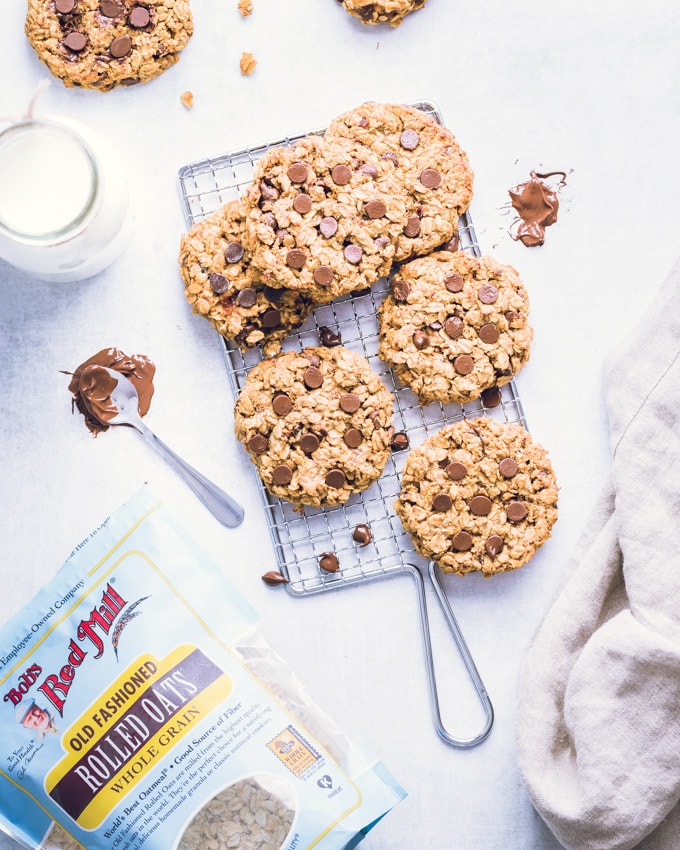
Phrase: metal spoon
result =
(220, 504)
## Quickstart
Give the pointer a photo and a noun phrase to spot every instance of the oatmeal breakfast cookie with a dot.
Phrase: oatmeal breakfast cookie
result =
(318, 223)
(478, 496)
(433, 170)
(221, 286)
(390, 12)
(454, 325)
(316, 423)
(99, 44)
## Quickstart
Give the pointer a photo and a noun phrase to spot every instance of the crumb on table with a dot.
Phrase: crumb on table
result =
(245, 7)
(187, 99)
(247, 63)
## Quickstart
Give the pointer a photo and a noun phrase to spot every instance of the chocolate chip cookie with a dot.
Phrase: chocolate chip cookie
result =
(316, 424)
(478, 496)
(454, 325)
(434, 172)
(99, 44)
(390, 12)
(317, 223)
(221, 286)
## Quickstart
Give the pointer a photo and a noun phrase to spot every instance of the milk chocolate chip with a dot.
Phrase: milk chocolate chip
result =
(274, 578)
(139, 17)
(110, 8)
(233, 252)
(400, 290)
(491, 397)
(453, 326)
(353, 254)
(350, 402)
(412, 228)
(271, 318)
(463, 364)
(480, 505)
(120, 47)
(362, 535)
(247, 297)
(328, 227)
(297, 172)
(329, 338)
(508, 467)
(442, 502)
(487, 293)
(282, 475)
(489, 333)
(218, 283)
(65, 7)
(494, 545)
(455, 470)
(353, 438)
(454, 282)
(313, 378)
(421, 340)
(258, 444)
(302, 203)
(329, 562)
(409, 140)
(296, 258)
(430, 178)
(375, 208)
(341, 175)
(399, 441)
(462, 541)
(323, 275)
(281, 404)
(75, 41)
(335, 479)
(309, 443)
(516, 511)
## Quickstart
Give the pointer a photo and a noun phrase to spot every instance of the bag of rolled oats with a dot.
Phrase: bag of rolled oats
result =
(141, 707)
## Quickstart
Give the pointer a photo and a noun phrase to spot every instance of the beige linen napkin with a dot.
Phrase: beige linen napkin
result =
(598, 728)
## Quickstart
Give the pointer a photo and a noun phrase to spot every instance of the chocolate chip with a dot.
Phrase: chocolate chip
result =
(400, 290)
(271, 318)
(491, 397)
(353, 254)
(313, 378)
(110, 8)
(258, 443)
(329, 562)
(329, 338)
(218, 283)
(455, 470)
(487, 293)
(270, 220)
(494, 545)
(480, 505)
(309, 443)
(462, 541)
(435, 326)
(272, 294)
(269, 192)
(353, 438)
(442, 502)
(409, 140)
(120, 47)
(399, 441)
(247, 297)
(75, 41)
(139, 17)
(452, 245)
(233, 252)
(375, 208)
(350, 402)
(296, 258)
(453, 326)
(282, 475)
(508, 467)
(454, 282)
(341, 175)
(328, 227)
(463, 364)
(430, 178)
(323, 275)
(282, 404)
(65, 7)
(513, 319)
(335, 479)
(412, 228)
(362, 535)
(489, 333)
(421, 340)
(370, 169)
(391, 158)
(302, 203)
(516, 511)
(274, 578)
(297, 172)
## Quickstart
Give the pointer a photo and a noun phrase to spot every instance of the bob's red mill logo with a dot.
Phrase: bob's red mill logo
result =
(90, 633)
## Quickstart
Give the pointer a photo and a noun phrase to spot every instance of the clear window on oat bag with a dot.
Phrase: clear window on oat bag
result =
(142, 707)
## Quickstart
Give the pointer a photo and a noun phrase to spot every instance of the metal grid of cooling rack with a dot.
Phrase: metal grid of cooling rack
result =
(300, 537)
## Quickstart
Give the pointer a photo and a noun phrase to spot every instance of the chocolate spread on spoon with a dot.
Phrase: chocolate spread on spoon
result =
(91, 385)
(536, 204)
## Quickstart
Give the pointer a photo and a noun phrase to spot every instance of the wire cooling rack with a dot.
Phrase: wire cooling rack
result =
(301, 537)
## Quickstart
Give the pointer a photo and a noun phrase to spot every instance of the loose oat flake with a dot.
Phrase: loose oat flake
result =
(141, 706)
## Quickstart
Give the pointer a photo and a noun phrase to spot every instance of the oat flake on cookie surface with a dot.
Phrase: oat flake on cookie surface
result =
(390, 12)
(316, 423)
(454, 325)
(99, 44)
(478, 496)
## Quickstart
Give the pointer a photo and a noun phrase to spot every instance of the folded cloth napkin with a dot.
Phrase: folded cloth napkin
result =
(598, 724)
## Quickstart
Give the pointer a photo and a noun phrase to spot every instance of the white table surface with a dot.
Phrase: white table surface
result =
(587, 88)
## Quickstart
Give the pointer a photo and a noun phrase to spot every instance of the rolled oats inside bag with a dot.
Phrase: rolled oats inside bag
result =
(141, 707)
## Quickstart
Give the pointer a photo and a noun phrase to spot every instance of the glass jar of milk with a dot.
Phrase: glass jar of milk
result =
(63, 200)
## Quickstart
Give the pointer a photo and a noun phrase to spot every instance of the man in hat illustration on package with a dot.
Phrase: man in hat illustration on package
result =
(35, 719)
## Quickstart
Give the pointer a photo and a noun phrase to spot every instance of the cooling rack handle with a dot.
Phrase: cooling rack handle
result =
(444, 734)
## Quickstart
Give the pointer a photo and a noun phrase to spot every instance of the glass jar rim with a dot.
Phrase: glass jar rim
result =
(79, 219)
